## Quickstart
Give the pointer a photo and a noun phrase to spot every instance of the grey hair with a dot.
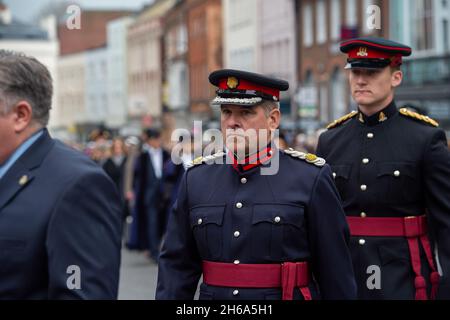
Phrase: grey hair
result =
(25, 78)
(268, 106)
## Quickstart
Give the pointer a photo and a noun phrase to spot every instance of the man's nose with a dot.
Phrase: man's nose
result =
(361, 79)
(233, 122)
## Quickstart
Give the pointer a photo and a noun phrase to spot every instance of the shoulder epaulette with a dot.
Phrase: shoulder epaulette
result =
(411, 114)
(308, 157)
(201, 160)
(341, 120)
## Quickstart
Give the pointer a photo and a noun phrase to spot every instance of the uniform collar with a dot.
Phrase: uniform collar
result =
(378, 117)
(255, 160)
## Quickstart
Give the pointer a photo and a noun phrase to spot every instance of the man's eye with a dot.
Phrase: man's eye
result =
(225, 111)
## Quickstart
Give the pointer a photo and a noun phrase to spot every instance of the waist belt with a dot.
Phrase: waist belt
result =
(413, 229)
(287, 276)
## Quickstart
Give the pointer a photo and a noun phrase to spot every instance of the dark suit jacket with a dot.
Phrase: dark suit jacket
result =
(64, 216)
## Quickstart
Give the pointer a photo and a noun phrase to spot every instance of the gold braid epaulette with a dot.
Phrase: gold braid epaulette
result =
(341, 120)
(411, 114)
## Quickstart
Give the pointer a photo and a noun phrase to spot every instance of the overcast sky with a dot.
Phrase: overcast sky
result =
(25, 10)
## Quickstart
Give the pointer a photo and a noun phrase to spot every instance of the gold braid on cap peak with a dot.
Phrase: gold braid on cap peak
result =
(341, 120)
(411, 114)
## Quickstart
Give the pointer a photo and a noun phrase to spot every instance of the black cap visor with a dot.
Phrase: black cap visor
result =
(367, 63)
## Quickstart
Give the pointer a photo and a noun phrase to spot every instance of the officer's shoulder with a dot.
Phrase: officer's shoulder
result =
(305, 157)
(197, 162)
(338, 122)
(418, 118)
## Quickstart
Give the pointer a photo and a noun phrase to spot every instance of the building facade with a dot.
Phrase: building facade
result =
(323, 93)
(96, 77)
(242, 34)
(176, 84)
(72, 92)
(117, 79)
(36, 41)
(425, 26)
(278, 47)
(145, 62)
(204, 21)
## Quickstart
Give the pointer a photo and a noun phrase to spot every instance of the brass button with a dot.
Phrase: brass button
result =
(334, 175)
(236, 262)
(200, 221)
(362, 242)
(244, 180)
(365, 161)
(363, 187)
(239, 205)
(236, 234)
(397, 173)
(363, 215)
(370, 135)
(277, 219)
(235, 292)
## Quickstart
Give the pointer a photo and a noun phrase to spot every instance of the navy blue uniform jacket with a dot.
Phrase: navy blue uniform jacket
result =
(62, 221)
(405, 165)
(312, 228)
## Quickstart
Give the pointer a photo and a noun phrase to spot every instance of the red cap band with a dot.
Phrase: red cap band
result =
(230, 83)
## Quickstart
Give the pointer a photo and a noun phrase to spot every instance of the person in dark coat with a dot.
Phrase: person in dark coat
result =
(392, 169)
(264, 225)
(60, 225)
(148, 186)
(114, 167)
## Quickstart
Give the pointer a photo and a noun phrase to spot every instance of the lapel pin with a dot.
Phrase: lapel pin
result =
(23, 180)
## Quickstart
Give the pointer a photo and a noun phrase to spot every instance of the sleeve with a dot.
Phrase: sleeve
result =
(180, 265)
(329, 237)
(84, 240)
(437, 185)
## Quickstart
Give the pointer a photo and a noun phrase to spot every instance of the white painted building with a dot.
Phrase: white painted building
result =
(72, 89)
(96, 86)
(176, 44)
(117, 79)
(39, 42)
(241, 34)
(278, 45)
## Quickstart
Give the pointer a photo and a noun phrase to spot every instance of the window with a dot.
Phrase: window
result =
(321, 22)
(307, 26)
(335, 19)
(423, 25)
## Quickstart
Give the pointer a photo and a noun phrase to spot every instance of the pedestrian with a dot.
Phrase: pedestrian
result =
(148, 186)
(251, 232)
(59, 212)
(392, 170)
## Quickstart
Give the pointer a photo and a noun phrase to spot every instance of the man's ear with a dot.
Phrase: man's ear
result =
(274, 119)
(396, 78)
(22, 115)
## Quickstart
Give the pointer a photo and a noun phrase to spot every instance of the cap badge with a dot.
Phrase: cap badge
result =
(232, 83)
(362, 52)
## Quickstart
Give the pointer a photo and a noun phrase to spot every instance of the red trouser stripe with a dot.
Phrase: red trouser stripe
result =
(287, 276)
(413, 229)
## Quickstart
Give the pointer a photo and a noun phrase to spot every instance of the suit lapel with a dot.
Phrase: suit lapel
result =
(20, 175)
